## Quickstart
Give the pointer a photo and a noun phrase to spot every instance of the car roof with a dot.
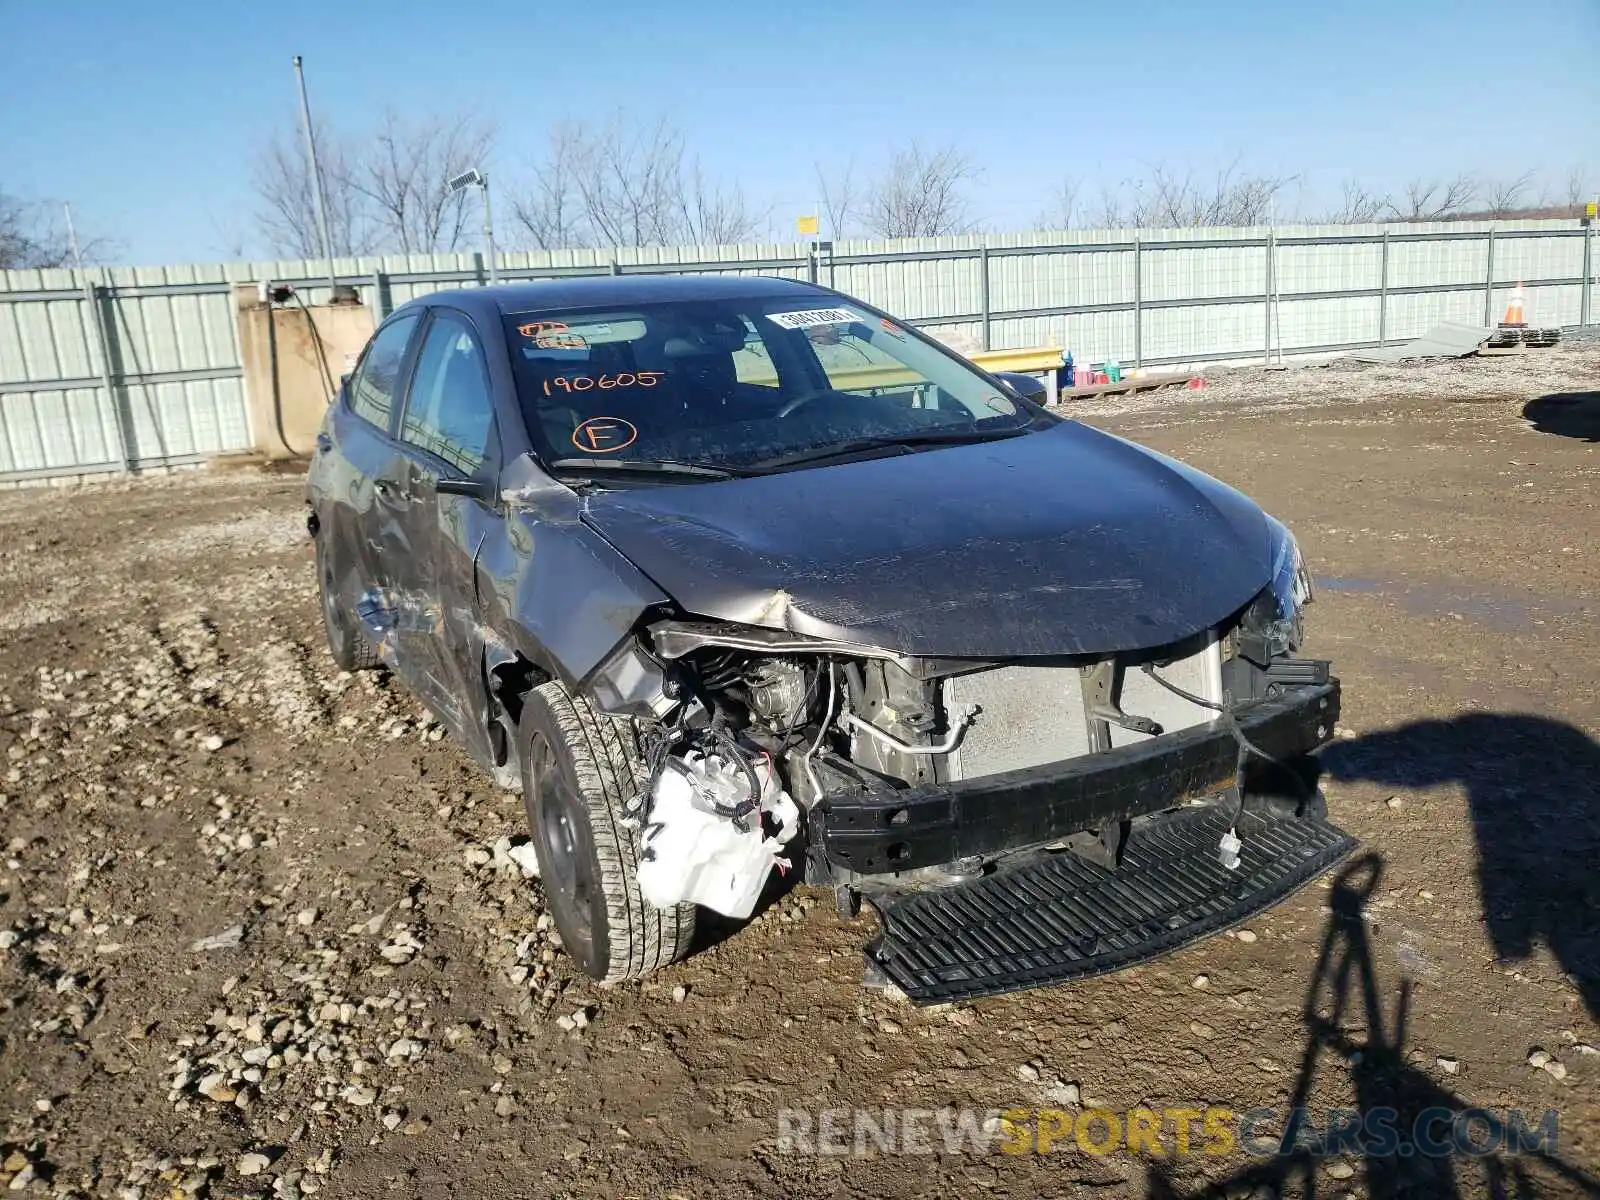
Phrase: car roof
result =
(591, 290)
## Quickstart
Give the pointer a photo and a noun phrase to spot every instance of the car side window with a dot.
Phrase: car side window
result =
(450, 410)
(373, 388)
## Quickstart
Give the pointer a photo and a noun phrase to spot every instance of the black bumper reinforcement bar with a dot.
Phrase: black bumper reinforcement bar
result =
(874, 832)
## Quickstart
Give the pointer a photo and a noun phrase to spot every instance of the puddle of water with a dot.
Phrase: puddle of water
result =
(1499, 608)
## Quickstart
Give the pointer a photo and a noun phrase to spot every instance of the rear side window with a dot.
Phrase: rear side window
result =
(372, 390)
(449, 411)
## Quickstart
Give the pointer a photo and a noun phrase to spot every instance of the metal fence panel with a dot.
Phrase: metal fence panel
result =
(54, 431)
(1414, 314)
(1417, 264)
(1344, 321)
(1537, 258)
(1189, 272)
(1179, 334)
(1048, 280)
(1327, 268)
(1092, 337)
(1552, 305)
(148, 372)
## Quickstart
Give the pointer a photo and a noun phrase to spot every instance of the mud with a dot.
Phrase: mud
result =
(178, 757)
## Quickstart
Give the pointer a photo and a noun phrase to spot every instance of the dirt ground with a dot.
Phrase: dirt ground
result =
(380, 1010)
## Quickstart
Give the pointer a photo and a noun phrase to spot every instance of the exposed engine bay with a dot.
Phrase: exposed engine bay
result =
(757, 740)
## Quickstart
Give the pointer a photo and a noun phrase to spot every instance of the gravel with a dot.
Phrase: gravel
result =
(254, 907)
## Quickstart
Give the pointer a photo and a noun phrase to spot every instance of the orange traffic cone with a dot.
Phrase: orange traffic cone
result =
(1514, 310)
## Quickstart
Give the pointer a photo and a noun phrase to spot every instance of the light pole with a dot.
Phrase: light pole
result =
(316, 176)
(479, 179)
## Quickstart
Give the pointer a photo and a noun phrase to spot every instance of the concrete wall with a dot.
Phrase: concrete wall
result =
(282, 351)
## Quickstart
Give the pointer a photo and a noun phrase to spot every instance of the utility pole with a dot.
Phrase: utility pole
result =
(316, 175)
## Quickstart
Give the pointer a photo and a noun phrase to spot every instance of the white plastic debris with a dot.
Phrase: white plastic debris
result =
(526, 858)
(1228, 850)
(693, 852)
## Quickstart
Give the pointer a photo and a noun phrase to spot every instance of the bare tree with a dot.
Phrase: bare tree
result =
(286, 216)
(1062, 210)
(1434, 199)
(401, 173)
(1505, 198)
(921, 193)
(626, 184)
(1112, 208)
(1357, 205)
(228, 238)
(549, 209)
(715, 216)
(26, 239)
(1183, 201)
(33, 234)
(1577, 190)
(841, 196)
(1163, 198)
(627, 180)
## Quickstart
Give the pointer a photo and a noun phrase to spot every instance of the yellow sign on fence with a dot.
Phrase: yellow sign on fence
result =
(806, 226)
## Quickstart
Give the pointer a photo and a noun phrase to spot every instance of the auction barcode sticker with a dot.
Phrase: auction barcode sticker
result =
(813, 316)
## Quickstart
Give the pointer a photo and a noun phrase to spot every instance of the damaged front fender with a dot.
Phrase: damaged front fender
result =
(547, 558)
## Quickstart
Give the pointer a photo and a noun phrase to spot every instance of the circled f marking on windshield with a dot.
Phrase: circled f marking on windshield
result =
(604, 435)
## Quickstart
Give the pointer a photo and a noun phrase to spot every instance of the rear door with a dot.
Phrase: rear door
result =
(356, 471)
(447, 431)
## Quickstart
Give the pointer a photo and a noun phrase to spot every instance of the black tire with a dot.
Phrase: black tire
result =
(346, 641)
(579, 771)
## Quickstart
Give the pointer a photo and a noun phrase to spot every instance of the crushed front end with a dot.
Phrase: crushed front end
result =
(1014, 823)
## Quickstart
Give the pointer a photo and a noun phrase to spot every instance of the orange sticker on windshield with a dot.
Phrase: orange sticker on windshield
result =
(604, 435)
(552, 335)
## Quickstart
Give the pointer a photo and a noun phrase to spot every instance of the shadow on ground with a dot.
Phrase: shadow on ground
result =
(1533, 789)
(1345, 995)
(1569, 414)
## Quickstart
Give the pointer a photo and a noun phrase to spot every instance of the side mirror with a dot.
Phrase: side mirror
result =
(477, 489)
(1029, 387)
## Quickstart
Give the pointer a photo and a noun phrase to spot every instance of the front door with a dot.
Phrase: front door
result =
(447, 431)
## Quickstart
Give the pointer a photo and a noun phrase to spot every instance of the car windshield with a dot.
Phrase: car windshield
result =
(735, 384)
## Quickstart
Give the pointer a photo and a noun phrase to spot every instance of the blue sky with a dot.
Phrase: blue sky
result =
(147, 116)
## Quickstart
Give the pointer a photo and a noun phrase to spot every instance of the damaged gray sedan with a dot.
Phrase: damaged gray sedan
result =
(739, 579)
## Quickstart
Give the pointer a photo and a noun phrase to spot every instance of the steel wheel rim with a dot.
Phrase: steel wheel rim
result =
(331, 616)
(565, 866)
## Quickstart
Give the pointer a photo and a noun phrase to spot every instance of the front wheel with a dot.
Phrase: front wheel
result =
(580, 769)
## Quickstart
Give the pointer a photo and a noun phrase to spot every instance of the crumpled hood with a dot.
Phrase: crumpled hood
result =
(1066, 541)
